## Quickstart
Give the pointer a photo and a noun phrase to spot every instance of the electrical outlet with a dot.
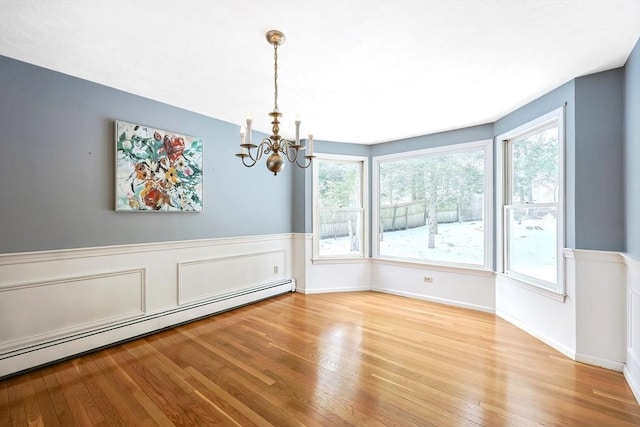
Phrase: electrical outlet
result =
(427, 279)
(275, 269)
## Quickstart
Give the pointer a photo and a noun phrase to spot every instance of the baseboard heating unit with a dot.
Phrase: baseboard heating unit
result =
(35, 352)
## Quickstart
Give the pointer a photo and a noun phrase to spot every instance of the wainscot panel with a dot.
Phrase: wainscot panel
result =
(550, 318)
(461, 287)
(632, 368)
(330, 275)
(34, 312)
(600, 288)
(229, 274)
(56, 304)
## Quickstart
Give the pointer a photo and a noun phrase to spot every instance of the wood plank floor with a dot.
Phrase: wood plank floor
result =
(363, 359)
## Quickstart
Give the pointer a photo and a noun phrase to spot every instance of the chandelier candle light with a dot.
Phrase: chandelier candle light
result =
(275, 146)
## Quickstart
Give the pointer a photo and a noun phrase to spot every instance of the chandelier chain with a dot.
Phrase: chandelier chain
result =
(275, 77)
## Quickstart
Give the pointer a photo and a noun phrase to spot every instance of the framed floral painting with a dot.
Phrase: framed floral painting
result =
(157, 170)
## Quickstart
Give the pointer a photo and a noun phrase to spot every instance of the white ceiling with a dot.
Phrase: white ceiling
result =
(356, 71)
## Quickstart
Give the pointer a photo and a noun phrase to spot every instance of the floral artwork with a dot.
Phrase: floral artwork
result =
(157, 170)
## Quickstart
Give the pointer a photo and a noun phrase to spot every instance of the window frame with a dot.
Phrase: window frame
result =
(503, 200)
(364, 206)
(486, 145)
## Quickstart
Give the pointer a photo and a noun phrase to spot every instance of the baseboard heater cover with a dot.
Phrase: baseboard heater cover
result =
(16, 361)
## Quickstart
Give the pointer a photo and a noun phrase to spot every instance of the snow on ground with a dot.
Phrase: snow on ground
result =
(533, 252)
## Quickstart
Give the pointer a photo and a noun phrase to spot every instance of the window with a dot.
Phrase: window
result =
(532, 202)
(339, 200)
(432, 205)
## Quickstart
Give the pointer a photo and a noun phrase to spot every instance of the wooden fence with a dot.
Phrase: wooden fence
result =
(341, 222)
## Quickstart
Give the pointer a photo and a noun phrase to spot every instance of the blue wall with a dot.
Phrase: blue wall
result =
(598, 158)
(57, 164)
(457, 136)
(301, 196)
(632, 150)
(57, 169)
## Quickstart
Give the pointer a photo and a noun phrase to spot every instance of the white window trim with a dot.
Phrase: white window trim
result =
(559, 293)
(487, 146)
(317, 259)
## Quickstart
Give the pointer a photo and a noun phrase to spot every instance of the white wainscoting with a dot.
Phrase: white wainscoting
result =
(232, 274)
(590, 324)
(328, 275)
(35, 312)
(600, 293)
(468, 288)
(461, 287)
(56, 304)
(632, 367)
(550, 319)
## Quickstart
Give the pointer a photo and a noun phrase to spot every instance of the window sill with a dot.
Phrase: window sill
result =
(554, 295)
(461, 269)
(343, 260)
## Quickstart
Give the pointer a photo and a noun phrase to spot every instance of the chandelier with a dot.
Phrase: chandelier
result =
(275, 146)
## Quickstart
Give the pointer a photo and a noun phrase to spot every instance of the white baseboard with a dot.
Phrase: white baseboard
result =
(545, 339)
(338, 289)
(634, 382)
(603, 363)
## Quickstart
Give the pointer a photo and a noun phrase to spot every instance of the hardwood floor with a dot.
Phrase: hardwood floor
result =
(364, 359)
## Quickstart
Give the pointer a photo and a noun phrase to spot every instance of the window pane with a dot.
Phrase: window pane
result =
(339, 208)
(531, 207)
(535, 167)
(532, 242)
(340, 231)
(432, 208)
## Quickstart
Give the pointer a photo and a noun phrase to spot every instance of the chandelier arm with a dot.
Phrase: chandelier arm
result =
(259, 151)
(307, 162)
(247, 154)
(287, 147)
(249, 165)
(268, 146)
